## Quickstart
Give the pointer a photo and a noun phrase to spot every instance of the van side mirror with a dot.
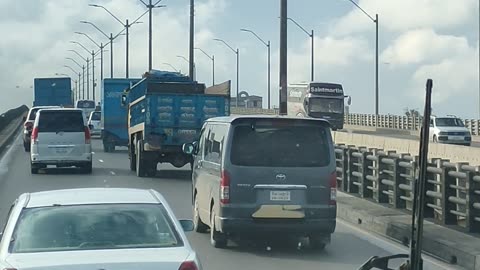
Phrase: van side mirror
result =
(124, 100)
(188, 148)
(24, 118)
(187, 225)
(349, 101)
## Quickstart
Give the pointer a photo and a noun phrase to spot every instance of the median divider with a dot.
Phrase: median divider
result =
(11, 123)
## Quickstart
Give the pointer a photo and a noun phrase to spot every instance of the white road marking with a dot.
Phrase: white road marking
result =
(112, 173)
(101, 160)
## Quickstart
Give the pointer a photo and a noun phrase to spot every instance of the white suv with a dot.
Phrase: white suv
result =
(94, 123)
(60, 137)
(449, 130)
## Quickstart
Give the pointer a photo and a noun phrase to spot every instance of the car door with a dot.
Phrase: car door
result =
(198, 174)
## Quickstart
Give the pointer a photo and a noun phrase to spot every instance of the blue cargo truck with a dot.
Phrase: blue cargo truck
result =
(53, 92)
(166, 110)
(114, 115)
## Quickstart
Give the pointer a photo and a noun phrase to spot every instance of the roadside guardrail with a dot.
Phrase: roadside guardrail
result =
(453, 189)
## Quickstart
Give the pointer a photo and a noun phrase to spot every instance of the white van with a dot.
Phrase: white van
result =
(87, 106)
(60, 137)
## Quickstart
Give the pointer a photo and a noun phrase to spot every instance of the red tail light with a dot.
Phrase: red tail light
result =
(333, 188)
(35, 135)
(225, 188)
(88, 137)
(190, 265)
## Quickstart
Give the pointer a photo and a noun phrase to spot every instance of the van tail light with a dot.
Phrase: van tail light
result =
(333, 188)
(189, 265)
(35, 135)
(88, 136)
(225, 188)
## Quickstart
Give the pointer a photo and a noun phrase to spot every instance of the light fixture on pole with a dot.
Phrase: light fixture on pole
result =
(237, 52)
(213, 63)
(193, 76)
(150, 7)
(83, 70)
(311, 35)
(167, 64)
(268, 68)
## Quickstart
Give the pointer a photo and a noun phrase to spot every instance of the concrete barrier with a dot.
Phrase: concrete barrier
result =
(445, 151)
(9, 131)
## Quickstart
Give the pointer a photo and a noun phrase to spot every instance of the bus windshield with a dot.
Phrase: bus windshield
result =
(86, 104)
(327, 105)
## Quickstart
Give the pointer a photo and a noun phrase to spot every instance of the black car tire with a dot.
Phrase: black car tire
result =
(217, 239)
(198, 225)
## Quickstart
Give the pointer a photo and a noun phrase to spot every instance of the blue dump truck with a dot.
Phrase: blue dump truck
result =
(53, 92)
(166, 110)
(114, 115)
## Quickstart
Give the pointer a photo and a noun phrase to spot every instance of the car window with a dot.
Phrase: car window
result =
(85, 104)
(449, 122)
(214, 143)
(33, 112)
(66, 121)
(96, 116)
(87, 227)
(280, 146)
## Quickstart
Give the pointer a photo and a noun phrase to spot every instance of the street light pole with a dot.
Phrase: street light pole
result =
(213, 63)
(312, 76)
(176, 70)
(150, 7)
(268, 65)
(191, 64)
(283, 57)
(237, 52)
(101, 46)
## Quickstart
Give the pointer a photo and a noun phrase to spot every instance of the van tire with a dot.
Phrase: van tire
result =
(217, 239)
(140, 162)
(33, 169)
(87, 168)
(133, 161)
(108, 147)
(198, 225)
(151, 170)
(26, 146)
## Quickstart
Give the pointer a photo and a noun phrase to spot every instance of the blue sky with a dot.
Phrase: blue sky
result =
(418, 40)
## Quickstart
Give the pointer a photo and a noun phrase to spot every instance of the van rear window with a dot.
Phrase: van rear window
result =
(56, 121)
(280, 146)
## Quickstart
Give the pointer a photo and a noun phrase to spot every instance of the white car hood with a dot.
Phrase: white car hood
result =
(125, 259)
(452, 129)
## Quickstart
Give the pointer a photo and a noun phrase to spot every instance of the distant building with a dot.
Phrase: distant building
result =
(247, 101)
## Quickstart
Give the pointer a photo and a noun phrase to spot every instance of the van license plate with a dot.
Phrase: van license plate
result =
(280, 195)
(456, 138)
(61, 151)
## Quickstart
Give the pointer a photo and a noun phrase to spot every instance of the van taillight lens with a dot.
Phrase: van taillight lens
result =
(225, 188)
(35, 135)
(88, 137)
(333, 188)
(190, 265)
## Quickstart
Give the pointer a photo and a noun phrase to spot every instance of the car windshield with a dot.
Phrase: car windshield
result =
(33, 113)
(87, 227)
(96, 116)
(449, 122)
(327, 105)
(65, 121)
(280, 146)
(86, 104)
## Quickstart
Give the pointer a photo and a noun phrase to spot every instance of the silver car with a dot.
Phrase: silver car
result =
(95, 228)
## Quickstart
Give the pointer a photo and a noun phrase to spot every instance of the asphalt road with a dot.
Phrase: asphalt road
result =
(350, 247)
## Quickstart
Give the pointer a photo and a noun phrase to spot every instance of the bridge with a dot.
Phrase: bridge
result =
(374, 201)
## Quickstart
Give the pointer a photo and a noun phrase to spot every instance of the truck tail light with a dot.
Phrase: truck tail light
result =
(225, 188)
(189, 265)
(333, 188)
(88, 136)
(35, 135)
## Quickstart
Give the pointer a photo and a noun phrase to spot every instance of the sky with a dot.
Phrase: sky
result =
(418, 39)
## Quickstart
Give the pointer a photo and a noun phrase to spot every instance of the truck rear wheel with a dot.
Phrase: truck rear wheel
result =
(140, 162)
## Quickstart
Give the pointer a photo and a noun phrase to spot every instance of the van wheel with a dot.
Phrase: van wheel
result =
(140, 162)
(108, 147)
(88, 168)
(33, 168)
(133, 161)
(26, 146)
(198, 225)
(152, 168)
(217, 239)
(318, 242)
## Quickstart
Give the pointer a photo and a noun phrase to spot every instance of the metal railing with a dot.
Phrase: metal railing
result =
(453, 189)
(399, 122)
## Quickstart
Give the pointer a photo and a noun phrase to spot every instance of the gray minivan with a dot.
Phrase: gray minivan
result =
(257, 175)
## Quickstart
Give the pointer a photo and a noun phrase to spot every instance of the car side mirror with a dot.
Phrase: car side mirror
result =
(90, 127)
(349, 102)
(188, 148)
(24, 118)
(187, 225)
(124, 100)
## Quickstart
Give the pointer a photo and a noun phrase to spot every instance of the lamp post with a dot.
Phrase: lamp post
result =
(311, 35)
(150, 7)
(375, 20)
(167, 64)
(213, 63)
(193, 75)
(126, 25)
(268, 52)
(110, 37)
(101, 46)
(93, 69)
(283, 57)
(237, 52)
(83, 71)
(79, 76)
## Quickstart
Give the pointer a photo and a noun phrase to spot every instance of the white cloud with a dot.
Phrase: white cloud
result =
(402, 15)
(423, 45)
